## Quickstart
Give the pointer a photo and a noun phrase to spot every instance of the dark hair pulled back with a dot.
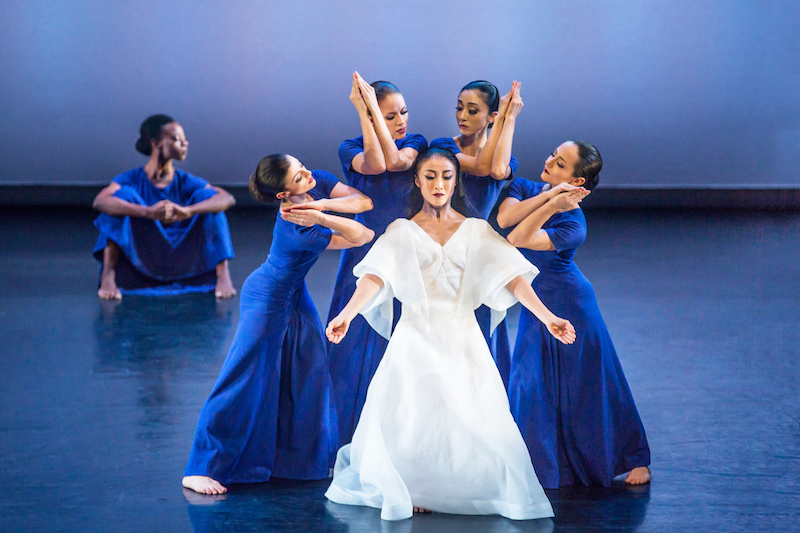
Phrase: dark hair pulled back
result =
(460, 201)
(384, 89)
(269, 178)
(489, 93)
(151, 129)
(589, 164)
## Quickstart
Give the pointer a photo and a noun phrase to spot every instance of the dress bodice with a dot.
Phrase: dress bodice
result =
(470, 270)
(295, 249)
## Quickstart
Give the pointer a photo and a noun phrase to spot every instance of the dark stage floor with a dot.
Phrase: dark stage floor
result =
(99, 400)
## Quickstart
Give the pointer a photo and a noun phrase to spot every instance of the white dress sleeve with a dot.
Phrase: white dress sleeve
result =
(491, 263)
(393, 258)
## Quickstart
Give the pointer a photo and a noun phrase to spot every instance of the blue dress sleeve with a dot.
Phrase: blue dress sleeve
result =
(415, 141)
(127, 179)
(348, 150)
(567, 230)
(325, 184)
(313, 239)
(189, 184)
(446, 143)
(514, 165)
(522, 189)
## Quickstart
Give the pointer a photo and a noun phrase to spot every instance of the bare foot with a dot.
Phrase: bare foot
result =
(203, 485)
(108, 287)
(108, 278)
(203, 500)
(224, 288)
(638, 476)
(421, 510)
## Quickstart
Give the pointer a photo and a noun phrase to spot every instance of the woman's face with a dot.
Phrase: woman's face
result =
(173, 143)
(395, 114)
(472, 113)
(560, 166)
(436, 179)
(298, 179)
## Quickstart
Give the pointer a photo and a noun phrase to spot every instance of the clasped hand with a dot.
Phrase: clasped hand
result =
(168, 212)
(566, 197)
(306, 214)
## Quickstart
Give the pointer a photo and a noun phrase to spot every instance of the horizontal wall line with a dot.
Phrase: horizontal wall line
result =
(614, 197)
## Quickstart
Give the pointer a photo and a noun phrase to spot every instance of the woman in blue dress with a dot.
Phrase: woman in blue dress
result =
(572, 403)
(163, 230)
(379, 164)
(483, 149)
(270, 413)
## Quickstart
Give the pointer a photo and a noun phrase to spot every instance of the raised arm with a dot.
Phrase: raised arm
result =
(371, 161)
(558, 327)
(368, 287)
(502, 152)
(396, 159)
(529, 233)
(483, 163)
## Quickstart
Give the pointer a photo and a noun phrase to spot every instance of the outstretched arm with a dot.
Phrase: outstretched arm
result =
(368, 287)
(529, 233)
(558, 327)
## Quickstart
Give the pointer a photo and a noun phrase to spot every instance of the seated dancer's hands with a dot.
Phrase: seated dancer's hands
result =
(337, 328)
(168, 212)
(160, 210)
(180, 212)
(562, 330)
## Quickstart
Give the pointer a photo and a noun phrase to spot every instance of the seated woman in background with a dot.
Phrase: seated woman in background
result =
(163, 230)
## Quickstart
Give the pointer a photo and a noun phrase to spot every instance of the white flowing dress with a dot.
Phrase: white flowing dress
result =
(436, 430)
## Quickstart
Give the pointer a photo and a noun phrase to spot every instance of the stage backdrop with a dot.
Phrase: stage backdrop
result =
(680, 93)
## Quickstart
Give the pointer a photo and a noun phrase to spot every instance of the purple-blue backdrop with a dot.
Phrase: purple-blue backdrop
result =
(687, 92)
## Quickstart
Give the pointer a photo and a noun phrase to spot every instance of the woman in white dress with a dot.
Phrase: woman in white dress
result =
(436, 432)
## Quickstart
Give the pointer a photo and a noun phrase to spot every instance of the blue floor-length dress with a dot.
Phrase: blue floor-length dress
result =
(165, 259)
(572, 402)
(354, 360)
(270, 413)
(483, 192)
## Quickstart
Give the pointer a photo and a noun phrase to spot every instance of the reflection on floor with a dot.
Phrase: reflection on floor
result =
(99, 399)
